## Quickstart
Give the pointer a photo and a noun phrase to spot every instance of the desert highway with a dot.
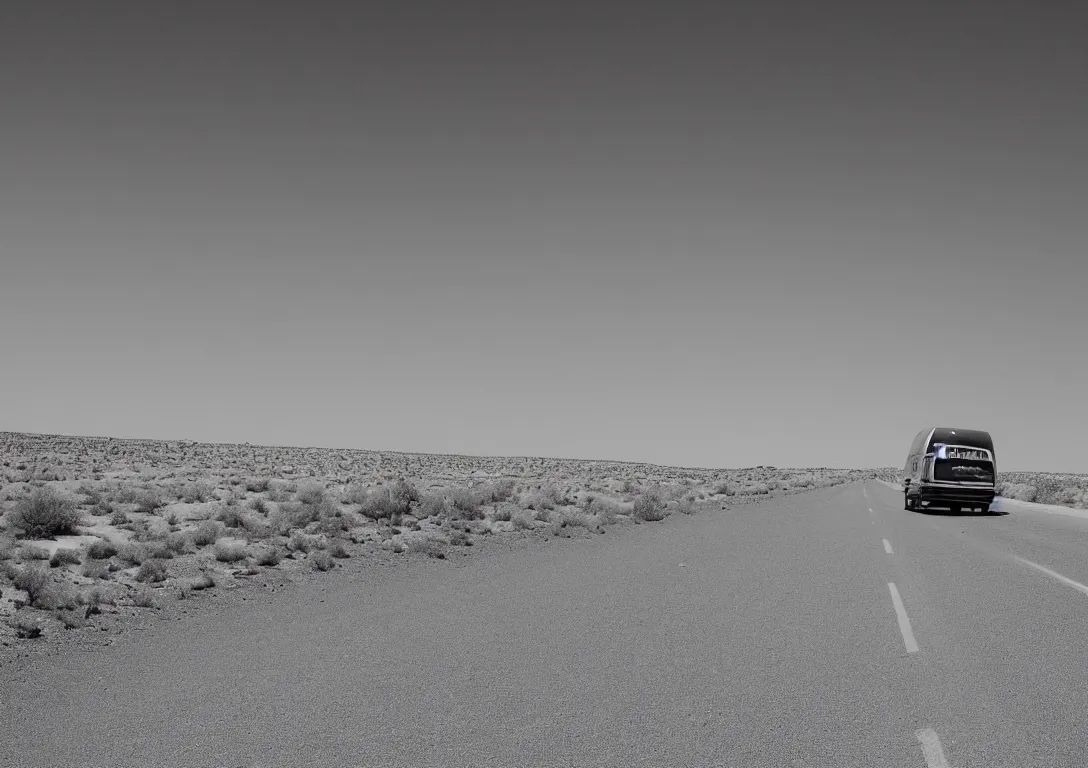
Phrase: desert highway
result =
(830, 628)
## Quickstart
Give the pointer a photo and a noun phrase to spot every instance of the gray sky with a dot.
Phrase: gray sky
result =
(790, 235)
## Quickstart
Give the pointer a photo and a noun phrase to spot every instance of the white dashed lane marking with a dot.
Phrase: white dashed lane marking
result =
(887, 546)
(931, 748)
(1055, 575)
(904, 621)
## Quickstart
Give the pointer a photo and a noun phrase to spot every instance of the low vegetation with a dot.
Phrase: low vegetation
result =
(179, 519)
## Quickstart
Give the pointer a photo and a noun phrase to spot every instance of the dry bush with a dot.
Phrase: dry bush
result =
(523, 521)
(101, 550)
(1018, 491)
(260, 506)
(388, 501)
(208, 532)
(118, 518)
(96, 569)
(196, 492)
(132, 553)
(339, 550)
(179, 543)
(257, 484)
(501, 513)
(33, 553)
(649, 506)
(34, 580)
(230, 551)
(465, 504)
(152, 571)
(147, 500)
(320, 560)
(267, 556)
(724, 489)
(432, 505)
(64, 556)
(45, 515)
(229, 515)
(311, 493)
(606, 510)
(143, 597)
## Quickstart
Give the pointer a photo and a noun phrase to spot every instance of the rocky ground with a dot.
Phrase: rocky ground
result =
(95, 532)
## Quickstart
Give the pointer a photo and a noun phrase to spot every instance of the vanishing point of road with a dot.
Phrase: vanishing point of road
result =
(830, 628)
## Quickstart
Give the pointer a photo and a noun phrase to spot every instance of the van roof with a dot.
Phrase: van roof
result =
(974, 438)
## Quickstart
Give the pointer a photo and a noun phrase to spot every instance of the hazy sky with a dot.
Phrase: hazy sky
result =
(792, 234)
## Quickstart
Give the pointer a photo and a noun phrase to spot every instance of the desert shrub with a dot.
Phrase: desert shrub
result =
(500, 490)
(95, 569)
(143, 598)
(132, 553)
(724, 489)
(339, 550)
(196, 492)
(279, 492)
(34, 580)
(7, 552)
(230, 516)
(101, 550)
(152, 570)
(606, 510)
(93, 496)
(432, 505)
(260, 506)
(1018, 491)
(45, 515)
(230, 551)
(1070, 496)
(257, 484)
(649, 507)
(300, 542)
(101, 508)
(33, 553)
(118, 518)
(292, 515)
(685, 507)
(159, 549)
(204, 581)
(267, 556)
(208, 532)
(146, 500)
(501, 513)
(465, 503)
(802, 481)
(320, 560)
(179, 543)
(26, 627)
(311, 493)
(459, 538)
(523, 521)
(65, 557)
(387, 501)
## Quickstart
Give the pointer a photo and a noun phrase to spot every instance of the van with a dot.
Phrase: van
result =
(953, 468)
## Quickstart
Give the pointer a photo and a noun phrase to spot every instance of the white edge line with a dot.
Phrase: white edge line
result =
(904, 621)
(1053, 574)
(887, 546)
(931, 748)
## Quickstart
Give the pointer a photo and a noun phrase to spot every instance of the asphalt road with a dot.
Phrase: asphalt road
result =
(831, 628)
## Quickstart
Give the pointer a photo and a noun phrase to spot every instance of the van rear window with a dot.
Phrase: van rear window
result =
(963, 470)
